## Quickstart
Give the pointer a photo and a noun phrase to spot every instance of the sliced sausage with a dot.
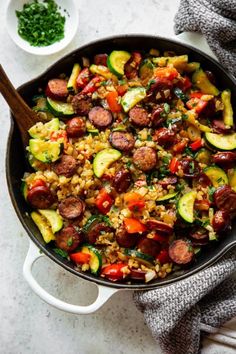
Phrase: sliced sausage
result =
(164, 136)
(199, 237)
(156, 118)
(75, 127)
(139, 117)
(71, 207)
(181, 251)
(221, 220)
(100, 117)
(160, 226)
(165, 182)
(137, 274)
(219, 127)
(224, 157)
(57, 89)
(122, 141)
(124, 239)
(122, 181)
(225, 198)
(190, 167)
(145, 158)
(66, 166)
(81, 104)
(68, 239)
(40, 197)
(96, 230)
(149, 246)
(203, 180)
(100, 59)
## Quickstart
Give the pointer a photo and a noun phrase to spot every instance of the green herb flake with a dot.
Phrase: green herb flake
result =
(166, 108)
(69, 242)
(40, 23)
(211, 191)
(60, 252)
(184, 116)
(150, 83)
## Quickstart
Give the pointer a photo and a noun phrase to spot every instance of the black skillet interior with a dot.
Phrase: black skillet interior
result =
(16, 163)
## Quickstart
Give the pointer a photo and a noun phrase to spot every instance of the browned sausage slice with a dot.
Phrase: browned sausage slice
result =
(66, 166)
(224, 157)
(181, 251)
(139, 117)
(71, 207)
(190, 167)
(124, 239)
(160, 226)
(122, 181)
(145, 158)
(100, 117)
(164, 136)
(122, 141)
(220, 127)
(68, 239)
(225, 199)
(165, 182)
(149, 246)
(75, 127)
(81, 104)
(199, 237)
(40, 197)
(96, 230)
(100, 59)
(137, 274)
(57, 89)
(221, 220)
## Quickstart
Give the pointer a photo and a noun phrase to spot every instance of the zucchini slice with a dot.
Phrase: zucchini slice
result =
(139, 256)
(222, 141)
(104, 159)
(146, 71)
(232, 178)
(167, 197)
(228, 115)
(117, 60)
(43, 131)
(191, 67)
(41, 104)
(179, 62)
(59, 108)
(103, 71)
(95, 261)
(45, 151)
(54, 219)
(132, 97)
(201, 81)
(203, 156)
(43, 227)
(216, 175)
(71, 85)
(186, 206)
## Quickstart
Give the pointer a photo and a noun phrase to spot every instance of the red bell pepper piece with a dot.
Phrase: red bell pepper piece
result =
(122, 89)
(186, 83)
(163, 257)
(196, 104)
(197, 144)
(134, 226)
(104, 201)
(83, 78)
(114, 272)
(173, 166)
(38, 182)
(59, 135)
(112, 100)
(166, 73)
(80, 257)
(196, 94)
(91, 86)
(202, 205)
(179, 147)
(160, 238)
(134, 201)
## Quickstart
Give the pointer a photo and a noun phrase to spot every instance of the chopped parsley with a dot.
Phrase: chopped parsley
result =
(188, 151)
(70, 242)
(60, 252)
(192, 167)
(211, 191)
(150, 83)
(166, 108)
(184, 116)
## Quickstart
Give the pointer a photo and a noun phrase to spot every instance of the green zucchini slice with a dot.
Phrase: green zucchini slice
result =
(216, 175)
(179, 61)
(43, 131)
(132, 97)
(95, 261)
(59, 108)
(203, 156)
(117, 60)
(54, 219)
(71, 85)
(139, 256)
(201, 81)
(104, 159)
(186, 206)
(43, 227)
(222, 141)
(45, 151)
(167, 197)
(228, 115)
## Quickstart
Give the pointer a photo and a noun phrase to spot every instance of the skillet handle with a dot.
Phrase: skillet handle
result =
(104, 293)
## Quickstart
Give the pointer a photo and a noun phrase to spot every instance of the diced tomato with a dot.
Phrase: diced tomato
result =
(37, 182)
(202, 205)
(133, 225)
(112, 100)
(122, 89)
(134, 201)
(197, 144)
(196, 104)
(179, 147)
(104, 201)
(166, 73)
(163, 257)
(83, 78)
(196, 94)
(59, 135)
(91, 86)
(160, 238)
(80, 257)
(173, 166)
(114, 272)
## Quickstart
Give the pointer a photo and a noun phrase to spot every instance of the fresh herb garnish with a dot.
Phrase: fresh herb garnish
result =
(211, 191)
(150, 83)
(184, 116)
(128, 164)
(188, 151)
(166, 108)
(192, 166)
(60, 252)
(150, 176)
(149, 138)
(179, 93)
(70, 242)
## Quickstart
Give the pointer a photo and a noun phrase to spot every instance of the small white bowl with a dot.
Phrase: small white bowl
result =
(71, 26)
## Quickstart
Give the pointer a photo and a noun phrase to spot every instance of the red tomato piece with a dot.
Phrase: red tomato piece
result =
(196, 94)
(37, 182)
(197, 144)
(114, 272)
(91, 86)
(80, 257)
(179, 147)
(104, 201)
(133, 225)
(83, 78)
(134, 201)
(166, 73)
(163, 257)
(112, 100)
(173, 166)
(122, 89)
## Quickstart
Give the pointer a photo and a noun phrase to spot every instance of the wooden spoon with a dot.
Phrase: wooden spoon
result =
(23, 114)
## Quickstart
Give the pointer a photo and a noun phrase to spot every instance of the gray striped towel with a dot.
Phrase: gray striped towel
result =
(216, 20)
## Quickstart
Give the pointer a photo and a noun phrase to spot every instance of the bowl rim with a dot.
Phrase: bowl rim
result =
(86, 276)
(46, 50)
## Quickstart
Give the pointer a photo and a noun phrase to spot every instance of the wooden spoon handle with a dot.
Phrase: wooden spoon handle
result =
(23, 115)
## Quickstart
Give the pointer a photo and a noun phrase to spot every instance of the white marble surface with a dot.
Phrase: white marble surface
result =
(27, 324)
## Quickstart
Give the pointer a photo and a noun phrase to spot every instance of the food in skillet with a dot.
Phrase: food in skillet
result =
(134, 165)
